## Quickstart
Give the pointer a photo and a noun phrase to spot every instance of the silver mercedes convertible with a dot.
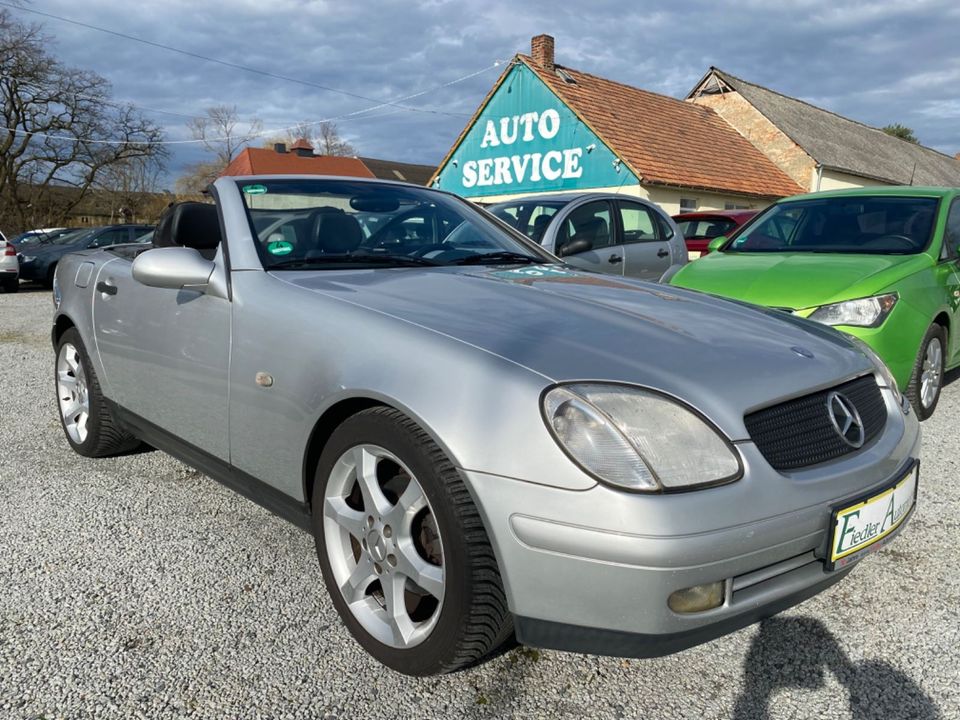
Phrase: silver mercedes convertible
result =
(485, 442)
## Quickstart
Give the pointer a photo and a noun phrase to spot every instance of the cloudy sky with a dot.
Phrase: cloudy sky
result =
(878, 62)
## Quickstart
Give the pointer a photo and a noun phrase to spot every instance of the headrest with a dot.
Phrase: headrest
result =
(340, 233)
(189, 224)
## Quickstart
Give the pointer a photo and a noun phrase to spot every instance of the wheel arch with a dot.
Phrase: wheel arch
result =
(60, 326)
(334, 416)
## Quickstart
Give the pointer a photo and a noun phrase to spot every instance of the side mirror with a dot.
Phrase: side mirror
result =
(573, 247)
(717, 243)
(174, 268)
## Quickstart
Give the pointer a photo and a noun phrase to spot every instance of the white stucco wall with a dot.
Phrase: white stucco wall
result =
(836, 180)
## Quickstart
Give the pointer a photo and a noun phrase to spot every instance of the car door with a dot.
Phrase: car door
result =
(165, 354)
(948, 276)
(592, 227)
(646, 251)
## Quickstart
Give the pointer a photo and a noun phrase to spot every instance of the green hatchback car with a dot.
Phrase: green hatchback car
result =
(880, 263)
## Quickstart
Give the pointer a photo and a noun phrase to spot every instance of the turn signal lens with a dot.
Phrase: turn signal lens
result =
(697, 598)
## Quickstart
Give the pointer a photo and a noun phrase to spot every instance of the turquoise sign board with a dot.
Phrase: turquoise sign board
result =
(526, 139)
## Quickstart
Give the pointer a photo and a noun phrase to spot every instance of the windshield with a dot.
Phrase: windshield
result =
(530, 218)
(328, 224)
(705, 228)
(877, 225)
(71, 237)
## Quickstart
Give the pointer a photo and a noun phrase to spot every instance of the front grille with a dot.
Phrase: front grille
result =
(799, 432)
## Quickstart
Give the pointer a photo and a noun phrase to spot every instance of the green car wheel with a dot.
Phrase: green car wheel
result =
(923, 392)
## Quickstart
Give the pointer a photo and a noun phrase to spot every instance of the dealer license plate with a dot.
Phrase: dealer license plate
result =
(863, 526)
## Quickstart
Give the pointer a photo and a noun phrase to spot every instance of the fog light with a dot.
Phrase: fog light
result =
(697, 598)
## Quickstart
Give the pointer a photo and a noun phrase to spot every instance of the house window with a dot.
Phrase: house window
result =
(735, 206)
(688, 205)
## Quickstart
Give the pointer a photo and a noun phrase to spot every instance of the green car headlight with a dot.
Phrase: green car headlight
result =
(638, 439)
(862, 312)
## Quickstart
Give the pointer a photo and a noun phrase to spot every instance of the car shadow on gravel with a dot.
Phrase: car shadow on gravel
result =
(796, 652)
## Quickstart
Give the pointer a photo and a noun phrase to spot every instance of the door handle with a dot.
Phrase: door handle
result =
(106, 288)
(662, 253)
(614, 259)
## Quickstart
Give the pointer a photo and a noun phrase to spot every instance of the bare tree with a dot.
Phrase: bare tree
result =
(59, 129)
(324, 137)
(329, 142)
(197, 177)
(223, 133)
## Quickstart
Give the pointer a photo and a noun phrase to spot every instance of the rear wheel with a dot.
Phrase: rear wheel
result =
(923, 392)
(11, 286)
(87, 422)
(403, 551)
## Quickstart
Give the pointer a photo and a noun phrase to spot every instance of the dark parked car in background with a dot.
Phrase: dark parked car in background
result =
(37, 237)
(699, 228)
(38, 262)
(608, 233)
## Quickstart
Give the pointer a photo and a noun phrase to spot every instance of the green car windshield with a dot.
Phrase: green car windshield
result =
(874, 225)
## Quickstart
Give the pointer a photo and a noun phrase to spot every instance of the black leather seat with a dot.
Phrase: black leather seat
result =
(337, 234)
(190, 224)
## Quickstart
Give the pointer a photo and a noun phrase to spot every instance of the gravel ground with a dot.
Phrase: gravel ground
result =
(135, 587)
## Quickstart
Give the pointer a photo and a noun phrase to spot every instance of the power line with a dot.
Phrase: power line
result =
(101, 100)
(356, 114)
(206, 58)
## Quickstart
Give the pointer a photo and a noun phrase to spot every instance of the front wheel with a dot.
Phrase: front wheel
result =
(923, 392)
(87, 422)
(403, 551)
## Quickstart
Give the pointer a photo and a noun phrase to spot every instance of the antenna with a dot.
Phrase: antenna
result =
(914, 171)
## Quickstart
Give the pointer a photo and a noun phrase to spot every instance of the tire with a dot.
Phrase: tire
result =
(437, 533)
(12, 286)
(926, 380)
(48, 280)
(87, 422)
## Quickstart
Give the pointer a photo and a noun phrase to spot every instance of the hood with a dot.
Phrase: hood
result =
(796, 280)
(721, 357)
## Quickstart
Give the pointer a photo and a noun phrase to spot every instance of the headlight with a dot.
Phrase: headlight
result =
(56, 292)
(27, 258)
(864, 312)
(887, 379)
(638, 439)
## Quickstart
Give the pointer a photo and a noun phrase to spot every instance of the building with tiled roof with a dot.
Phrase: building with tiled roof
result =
(297, 160)
(402, 172)
(545, 127)
(818, 149)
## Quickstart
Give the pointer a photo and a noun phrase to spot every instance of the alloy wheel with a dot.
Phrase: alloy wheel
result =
(384, 546)
(72, 393)
(931, 373)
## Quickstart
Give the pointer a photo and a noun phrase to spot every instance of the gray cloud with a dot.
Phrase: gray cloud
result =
(877, 62)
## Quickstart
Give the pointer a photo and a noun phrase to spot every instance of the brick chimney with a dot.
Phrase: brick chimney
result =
(541, 50)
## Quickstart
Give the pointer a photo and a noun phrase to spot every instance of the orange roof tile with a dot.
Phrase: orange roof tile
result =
(667, 141)
(263, 161)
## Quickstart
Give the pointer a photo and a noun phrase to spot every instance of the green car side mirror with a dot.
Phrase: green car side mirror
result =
(717, 243)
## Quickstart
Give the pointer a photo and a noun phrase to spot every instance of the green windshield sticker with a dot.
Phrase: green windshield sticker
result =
(279, 247)
(254, 189)
(534, 272)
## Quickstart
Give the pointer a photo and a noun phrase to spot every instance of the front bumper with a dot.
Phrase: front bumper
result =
(591, 571)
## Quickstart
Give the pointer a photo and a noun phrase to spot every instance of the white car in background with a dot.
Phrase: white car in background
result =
(9, 266)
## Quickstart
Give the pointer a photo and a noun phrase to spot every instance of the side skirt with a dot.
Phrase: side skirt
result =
(266, 496)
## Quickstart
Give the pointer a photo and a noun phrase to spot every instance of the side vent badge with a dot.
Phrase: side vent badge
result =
(264, 379)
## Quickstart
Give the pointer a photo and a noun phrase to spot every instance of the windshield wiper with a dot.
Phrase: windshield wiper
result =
(504, 257)
(363, 258)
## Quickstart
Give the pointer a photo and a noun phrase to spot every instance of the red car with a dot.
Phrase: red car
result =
(699, 228)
